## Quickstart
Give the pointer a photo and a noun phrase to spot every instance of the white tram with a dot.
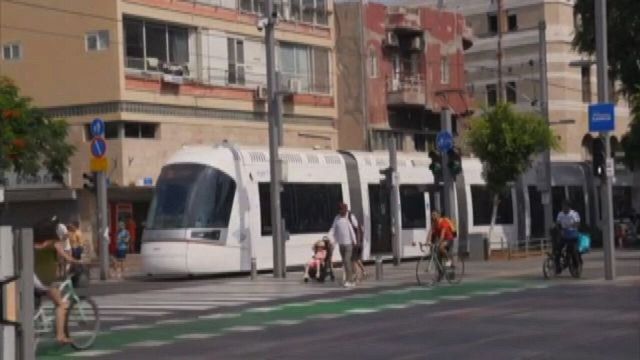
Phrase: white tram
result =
(211, 207)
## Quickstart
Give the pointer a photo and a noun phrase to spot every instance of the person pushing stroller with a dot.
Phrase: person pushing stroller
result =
(317, 266)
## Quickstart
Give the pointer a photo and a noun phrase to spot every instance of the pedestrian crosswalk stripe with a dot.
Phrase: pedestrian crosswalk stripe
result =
(219, 316)
(91, 353)
(284, 322)
(396, 306)
(264, 309)
(325, 316)
(424, 302)
(454, 297)
(173, 321)
(245, 328)
(130, 327)
(489, 292)
(148, 343)
(361, 311)
(134, 312)
(196, 336)
(168, 307)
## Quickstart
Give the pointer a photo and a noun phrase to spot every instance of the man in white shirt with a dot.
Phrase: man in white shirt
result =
(342, 232)
(568, 220)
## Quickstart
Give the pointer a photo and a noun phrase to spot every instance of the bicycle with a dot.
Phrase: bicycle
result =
(431, 269)
(574, 263)
(82, 321)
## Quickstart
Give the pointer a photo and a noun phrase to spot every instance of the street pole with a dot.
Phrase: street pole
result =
(603, 97)
(274, 131)
(447, 179)
(25, 283)
(544, 110)
(499, 51)
(103, 235)
(395, 202)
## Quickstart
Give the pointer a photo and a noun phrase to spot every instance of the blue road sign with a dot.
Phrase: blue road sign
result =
(97, 127)
(98, 147)
(444, 141)
(602, 117)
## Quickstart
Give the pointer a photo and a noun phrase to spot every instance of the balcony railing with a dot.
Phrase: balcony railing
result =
(404, 19)
(406, 90)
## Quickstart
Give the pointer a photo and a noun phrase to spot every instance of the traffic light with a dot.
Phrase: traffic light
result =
(454, 162)
(436, 164)
(89, 181)
(599, 157)
(386, 179)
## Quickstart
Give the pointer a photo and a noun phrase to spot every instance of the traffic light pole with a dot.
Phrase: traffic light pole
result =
(447, 179)
(603, 97)
(544, 110)
(103, 236)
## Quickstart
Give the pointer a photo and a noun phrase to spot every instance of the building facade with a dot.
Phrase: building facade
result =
(162, 74)
(398, 68)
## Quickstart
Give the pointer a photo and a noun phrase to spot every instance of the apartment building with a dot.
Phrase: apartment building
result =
(162, 74)
(398, 68)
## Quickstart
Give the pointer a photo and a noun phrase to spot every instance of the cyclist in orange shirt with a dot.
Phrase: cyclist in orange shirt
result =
(442, 231)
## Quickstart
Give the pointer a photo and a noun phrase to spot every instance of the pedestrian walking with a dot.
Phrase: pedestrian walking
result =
(122, 246)
(343, 234)
(76, 240)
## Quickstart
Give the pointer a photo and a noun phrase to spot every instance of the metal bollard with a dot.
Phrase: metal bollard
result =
(378, 268)
(254, 269)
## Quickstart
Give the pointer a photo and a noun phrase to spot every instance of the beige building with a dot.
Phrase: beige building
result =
(570, 88)
(164, 73)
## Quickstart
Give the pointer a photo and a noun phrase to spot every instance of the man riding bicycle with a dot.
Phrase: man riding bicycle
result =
(442, 233)
(45, 236)
(567, 221)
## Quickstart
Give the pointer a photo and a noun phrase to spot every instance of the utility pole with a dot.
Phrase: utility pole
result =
(103, 235)
(603, 97)
(279, 264)
(394, 199)
(499, 52)
(544, 110)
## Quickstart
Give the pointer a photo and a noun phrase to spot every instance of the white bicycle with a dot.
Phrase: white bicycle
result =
(82, 322)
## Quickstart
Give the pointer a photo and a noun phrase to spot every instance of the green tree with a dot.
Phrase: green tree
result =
(623, 38)
(30, 140)
(505, 141)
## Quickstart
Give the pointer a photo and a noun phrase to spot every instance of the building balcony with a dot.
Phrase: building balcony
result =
(404, 20)
(467, 38)
(406, 91)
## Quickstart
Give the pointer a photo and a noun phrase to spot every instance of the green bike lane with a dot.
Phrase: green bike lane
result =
(291, 313)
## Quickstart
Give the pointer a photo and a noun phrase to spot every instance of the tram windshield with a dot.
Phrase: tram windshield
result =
(191, 196)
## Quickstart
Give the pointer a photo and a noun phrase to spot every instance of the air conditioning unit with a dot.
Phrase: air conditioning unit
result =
(294, 85)
(416, 43)
(261, 93)
(392, 39)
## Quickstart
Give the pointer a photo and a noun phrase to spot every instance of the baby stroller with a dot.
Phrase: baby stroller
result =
(326, 267)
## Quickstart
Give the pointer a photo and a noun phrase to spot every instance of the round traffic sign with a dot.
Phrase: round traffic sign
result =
(98, 147)
(97, 127)
(444, 141)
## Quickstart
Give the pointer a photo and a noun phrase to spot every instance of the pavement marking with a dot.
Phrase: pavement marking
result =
(129, 327)
(173, 321)
(168, 307)
(424, 302)
(325, 316)
(245, 328)
(489, 292)
(91, 353)
(264, 309)
(134, 313)
(148, 343)
(284, 322)
(361, 311)
(454, 297)
(219, 316)
(396, 306)
(196, 336)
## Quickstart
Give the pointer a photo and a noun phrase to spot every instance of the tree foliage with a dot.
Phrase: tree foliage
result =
(505, 141)
(623, 37)
(30, 140)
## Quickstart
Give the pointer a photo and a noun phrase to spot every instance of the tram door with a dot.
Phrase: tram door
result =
(380, 210)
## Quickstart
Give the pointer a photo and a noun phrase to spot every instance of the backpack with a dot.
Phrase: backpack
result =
(358, 230)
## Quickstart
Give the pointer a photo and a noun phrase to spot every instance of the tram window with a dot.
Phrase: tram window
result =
(306, 208)
(621, 202)
(558, 195)
(190, 195)
(482, 201)
(412, 205)
(576, 198)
